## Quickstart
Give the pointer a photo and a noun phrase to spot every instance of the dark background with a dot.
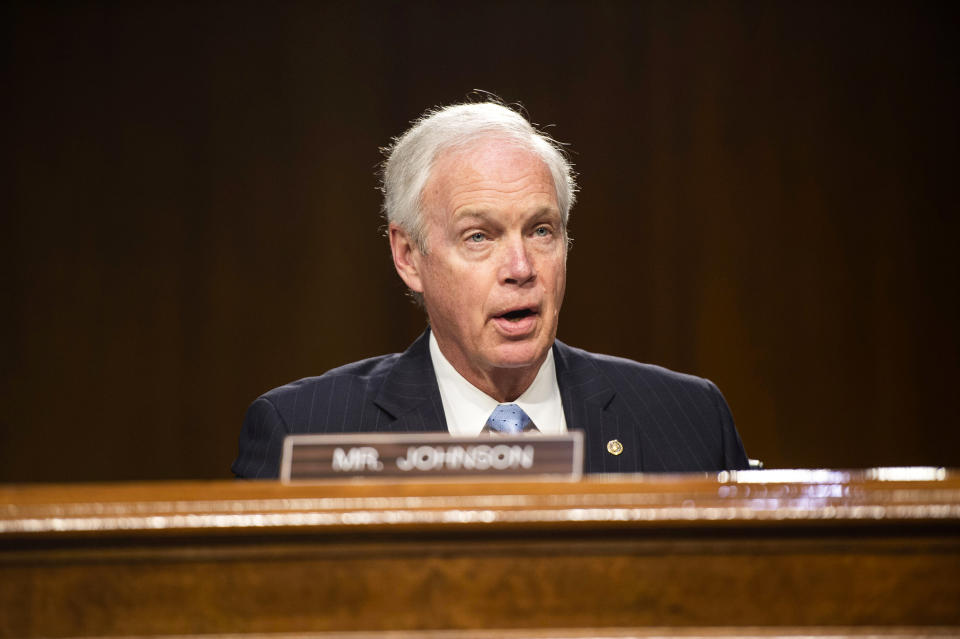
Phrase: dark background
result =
(191, 215)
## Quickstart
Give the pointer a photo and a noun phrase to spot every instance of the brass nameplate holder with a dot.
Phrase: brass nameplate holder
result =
(423, 455)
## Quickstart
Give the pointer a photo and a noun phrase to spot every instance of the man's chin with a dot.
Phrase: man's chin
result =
(524, 354)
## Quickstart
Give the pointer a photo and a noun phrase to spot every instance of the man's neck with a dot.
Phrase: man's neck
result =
(502, 384)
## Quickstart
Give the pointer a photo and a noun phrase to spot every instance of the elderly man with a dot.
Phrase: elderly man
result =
(477, 202)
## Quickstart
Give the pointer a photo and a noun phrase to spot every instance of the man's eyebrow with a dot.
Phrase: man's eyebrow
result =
(474, 214)
(546, 211)
(485, 215)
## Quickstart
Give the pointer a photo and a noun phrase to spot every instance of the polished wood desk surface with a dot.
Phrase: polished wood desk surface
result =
(921, 496)
(756, 554)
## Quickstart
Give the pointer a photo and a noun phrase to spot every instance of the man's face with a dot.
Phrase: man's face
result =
(495, 270)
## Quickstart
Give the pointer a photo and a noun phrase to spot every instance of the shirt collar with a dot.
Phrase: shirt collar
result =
(467, 408)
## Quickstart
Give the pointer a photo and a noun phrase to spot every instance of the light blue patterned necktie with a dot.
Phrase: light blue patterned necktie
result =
(509, 419)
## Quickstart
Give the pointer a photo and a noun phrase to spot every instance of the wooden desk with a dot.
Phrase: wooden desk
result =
(751, 554)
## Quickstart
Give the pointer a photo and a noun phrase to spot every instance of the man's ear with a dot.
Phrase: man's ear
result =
(406, 258)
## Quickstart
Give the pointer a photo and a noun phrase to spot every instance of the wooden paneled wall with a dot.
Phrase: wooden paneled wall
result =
(191, 216)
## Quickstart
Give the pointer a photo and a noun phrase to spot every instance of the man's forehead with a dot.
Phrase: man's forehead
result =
(489, 153)
(494, 169)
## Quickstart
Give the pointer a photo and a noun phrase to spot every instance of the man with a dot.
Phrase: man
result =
(477, 203)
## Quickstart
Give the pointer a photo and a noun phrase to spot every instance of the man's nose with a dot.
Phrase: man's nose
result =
(517, 266)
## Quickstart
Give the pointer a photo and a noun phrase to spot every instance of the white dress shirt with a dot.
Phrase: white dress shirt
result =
(467, 408)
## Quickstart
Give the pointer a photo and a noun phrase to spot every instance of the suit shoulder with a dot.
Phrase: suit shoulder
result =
(675, 422)
(368, 373)
(620, 370)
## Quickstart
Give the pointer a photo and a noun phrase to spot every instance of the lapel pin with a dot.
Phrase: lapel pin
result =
(614, 447)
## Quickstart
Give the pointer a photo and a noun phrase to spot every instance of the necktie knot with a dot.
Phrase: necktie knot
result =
(509, 419)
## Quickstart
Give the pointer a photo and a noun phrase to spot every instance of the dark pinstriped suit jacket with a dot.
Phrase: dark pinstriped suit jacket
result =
(666, 421)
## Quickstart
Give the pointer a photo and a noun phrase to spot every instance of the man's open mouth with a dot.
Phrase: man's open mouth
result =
(518, 314)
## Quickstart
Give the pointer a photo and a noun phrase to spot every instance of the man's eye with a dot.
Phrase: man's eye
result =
(541, 231)
(478, 237)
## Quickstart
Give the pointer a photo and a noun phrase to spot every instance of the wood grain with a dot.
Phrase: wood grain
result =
(722, 552)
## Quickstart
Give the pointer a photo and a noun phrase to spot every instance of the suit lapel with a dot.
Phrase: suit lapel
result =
(587, 396)
(410, 397)
(410, 402)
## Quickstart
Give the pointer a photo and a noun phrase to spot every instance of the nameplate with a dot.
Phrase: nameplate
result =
(420, 455)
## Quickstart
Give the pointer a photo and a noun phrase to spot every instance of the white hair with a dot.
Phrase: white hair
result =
(411, 157)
